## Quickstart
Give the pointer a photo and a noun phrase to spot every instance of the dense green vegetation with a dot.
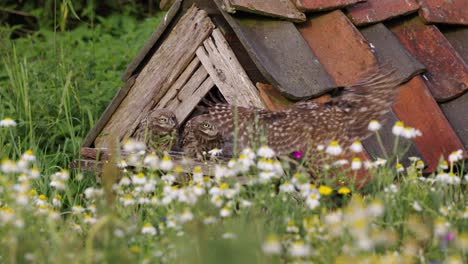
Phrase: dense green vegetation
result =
(54, 84)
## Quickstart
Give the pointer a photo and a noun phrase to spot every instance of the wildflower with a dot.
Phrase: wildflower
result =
(325, 190)
(443, 165)
(265, 164)
(286, 187)
(134, 146)
(152, 161)
(410, 133)
(375, 209)
(356, 147)
(166, 163)
(28, 155)
(139, 179)
(229, 236)
(340, 162)
(34, 173)
(320, 147)
(398, 128)
(441, 228)
(186, 216)
(148, 229)
(58, 184)
(63, 175)
(215, 152)
(297, 154)
(245, 203)
(420, 164)
(265, 152)
(455, 156)
(356, 164)
(122, 164)
(344, 190)
(299, 249)
(135, 249)
(380, 162)
(210, 220)
(7, 122)
(374, 125)
(127, 200)
(291, 227)
(313, 200)
(266, 176)
(88, 219)
(272, 245)
(225, 212)
(334, 148)
(448, 178)
(368, 164)
(416, 206)
(399, 167)
(125, 181)
(57, 200)
(9, 166)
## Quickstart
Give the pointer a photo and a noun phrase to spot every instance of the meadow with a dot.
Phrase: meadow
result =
(54, 85)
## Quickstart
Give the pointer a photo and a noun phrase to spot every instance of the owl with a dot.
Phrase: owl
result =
(305, 125)
(201, 134)
(158, 129)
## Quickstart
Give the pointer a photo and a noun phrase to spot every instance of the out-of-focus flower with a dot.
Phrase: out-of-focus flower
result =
(166, 163)
(455, 156)
(7, 122)
(356, 147)
(374, 125)
(356, 164)
(272, 245)
(334, 149)
(266, 152)
(398, 128)
(344, 190)
(299, 249)
(416, 206)
(287, 187)
(148, 229)
(215, 152)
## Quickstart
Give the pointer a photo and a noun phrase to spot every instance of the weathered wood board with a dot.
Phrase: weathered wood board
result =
(388, 50)
(96, 130)
(339, 46)
(297, 74)
(447, 73)
(416, 107)
(226, 72)
(163, 24)
(458, 36)
(373, 11)
(154, 80)
(282, 9)
(443, 11)
(322, 5)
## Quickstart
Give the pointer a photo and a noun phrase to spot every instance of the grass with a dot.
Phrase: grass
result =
(56, 84)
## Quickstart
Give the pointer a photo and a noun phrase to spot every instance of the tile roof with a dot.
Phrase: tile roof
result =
(431, 58)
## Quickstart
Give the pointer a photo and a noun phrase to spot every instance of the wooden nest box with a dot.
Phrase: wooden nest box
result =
(271, 53)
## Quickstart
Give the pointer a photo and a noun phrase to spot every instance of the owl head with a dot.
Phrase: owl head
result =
(206, 126)
(162, 121)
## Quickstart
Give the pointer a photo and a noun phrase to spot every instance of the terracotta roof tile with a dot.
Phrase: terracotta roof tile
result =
(447, 73)
(442, 11)
(458, 36)
(282, 9)
(320, 5)
(339, 46)
(455, 111)
(373, 11)
(283, 56)
(389, 50)
(412, 107)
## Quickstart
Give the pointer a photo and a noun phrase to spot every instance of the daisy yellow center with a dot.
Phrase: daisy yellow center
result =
(399, 124)
(334, 143)
(197, 169)
(224, 186)
(325, 190)
(356, 160)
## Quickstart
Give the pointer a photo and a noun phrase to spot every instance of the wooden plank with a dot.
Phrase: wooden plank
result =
(339, 46)
(457, 37)
(190, 94)
(389, 50)
(416, 107)
(282, 9)
(110, 109)
(443, 11)
(447, 73)
(322, 5)
(181, 81)
(282, 55)
(455, 111)
(131, 68)
(374, 149)
(227, 73)
(166, 4)
(271, 97)
(158, 75)
(373, 11)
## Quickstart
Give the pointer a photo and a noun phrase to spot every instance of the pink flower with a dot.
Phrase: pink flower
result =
(297, 154)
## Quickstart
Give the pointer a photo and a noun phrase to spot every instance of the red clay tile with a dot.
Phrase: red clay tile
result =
(373, 11)
(283, 9)
(320, 5)
(447, 73)
(455, 111)
(443, 11)
(417, 108)
(339, 46)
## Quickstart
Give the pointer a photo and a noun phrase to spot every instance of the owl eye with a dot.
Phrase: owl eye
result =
(206, 125)
(162, 120)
